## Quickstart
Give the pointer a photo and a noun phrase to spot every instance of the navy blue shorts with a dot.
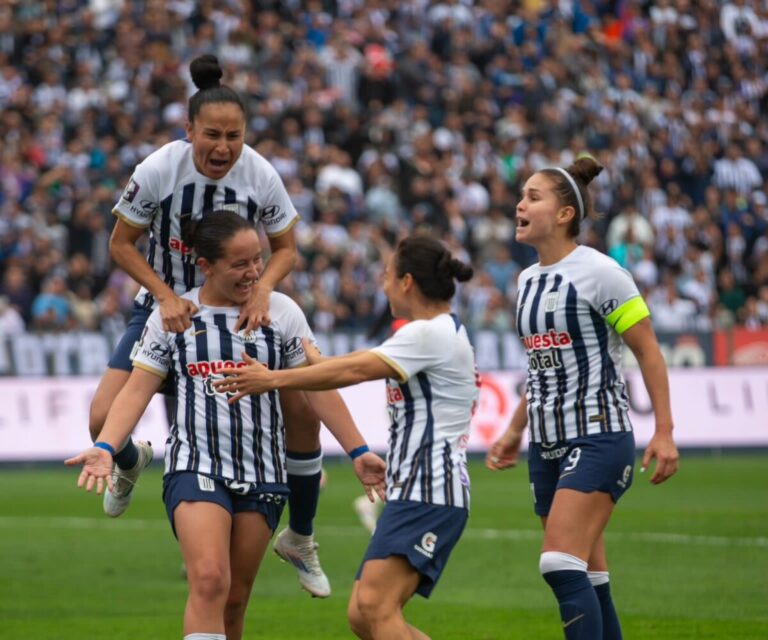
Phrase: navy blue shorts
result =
(121, 358)
(602, 462)
(424, 534)
(191, 486)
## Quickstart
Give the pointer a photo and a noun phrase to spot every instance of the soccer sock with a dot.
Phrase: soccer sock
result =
(601, 584)
(579, 607)
(304, 472)
(205, 636)
(128, 455)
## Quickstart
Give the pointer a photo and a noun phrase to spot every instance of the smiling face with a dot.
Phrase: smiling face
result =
(217, 135)
(230, 279)
(540, 216)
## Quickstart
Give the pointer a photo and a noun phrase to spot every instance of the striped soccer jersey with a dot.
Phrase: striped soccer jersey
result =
(570, 316)
(430, 408)
(242, 442)
(166, 190)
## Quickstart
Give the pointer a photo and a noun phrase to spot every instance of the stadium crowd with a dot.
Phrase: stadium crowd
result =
(383, 116)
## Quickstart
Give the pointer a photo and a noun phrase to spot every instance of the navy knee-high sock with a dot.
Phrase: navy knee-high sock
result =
(128, 455)
(304, 473)
(579, 607)
(602, 586)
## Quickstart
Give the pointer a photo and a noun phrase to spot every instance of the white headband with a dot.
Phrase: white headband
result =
(575, 188)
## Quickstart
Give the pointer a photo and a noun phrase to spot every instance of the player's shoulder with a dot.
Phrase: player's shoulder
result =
(169, 155)
(281, 305)
(254, 161)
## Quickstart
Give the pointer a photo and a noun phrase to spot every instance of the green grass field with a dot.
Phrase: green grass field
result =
(689, 559)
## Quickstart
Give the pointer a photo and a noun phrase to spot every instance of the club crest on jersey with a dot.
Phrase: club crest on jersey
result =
(249, 337)
(550, 301)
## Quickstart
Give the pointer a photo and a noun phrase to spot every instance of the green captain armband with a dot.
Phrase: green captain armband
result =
(628, 315)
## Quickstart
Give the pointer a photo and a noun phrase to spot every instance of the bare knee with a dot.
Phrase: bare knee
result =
(357, 623)
(372, 607)
(208, 580)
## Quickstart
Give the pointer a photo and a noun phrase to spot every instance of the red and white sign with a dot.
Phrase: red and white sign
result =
(47, 418)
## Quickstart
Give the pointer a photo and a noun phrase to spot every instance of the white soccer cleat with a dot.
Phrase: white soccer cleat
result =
(301, 552)
(116, 501)
(367, 511)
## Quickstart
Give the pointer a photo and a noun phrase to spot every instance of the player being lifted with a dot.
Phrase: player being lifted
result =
(179, 183)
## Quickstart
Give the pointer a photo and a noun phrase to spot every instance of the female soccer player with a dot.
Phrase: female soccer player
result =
(574, 308)
(176, 184)
(225, 472)
(432, 388)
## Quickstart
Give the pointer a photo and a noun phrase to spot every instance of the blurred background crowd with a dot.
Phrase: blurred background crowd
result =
(383, 116)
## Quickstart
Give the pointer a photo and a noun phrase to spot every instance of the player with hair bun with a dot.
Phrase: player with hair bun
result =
(574, 309)
(432, 388)
(225, 479)
(213, 169)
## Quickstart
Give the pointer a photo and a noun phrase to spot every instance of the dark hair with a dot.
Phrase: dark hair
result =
(208, 235)
(431, 266)
(583, 171)
(206, 74)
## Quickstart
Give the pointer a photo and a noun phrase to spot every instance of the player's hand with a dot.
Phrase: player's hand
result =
(663, 448)
(371, 471)
(176, 313)
(255, 312)
(504, 452)
(253, 379)
(97, 465)
(312, 352)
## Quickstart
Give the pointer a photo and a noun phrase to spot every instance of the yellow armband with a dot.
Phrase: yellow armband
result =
(628, 315)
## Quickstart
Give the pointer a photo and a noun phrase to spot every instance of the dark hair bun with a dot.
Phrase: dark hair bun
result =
(585, 169)
(206, 71)
(460, 270)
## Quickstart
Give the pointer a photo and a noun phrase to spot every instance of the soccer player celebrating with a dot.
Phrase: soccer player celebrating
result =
(179, 183)
(574, 308)
(432, 388)
(225, 480)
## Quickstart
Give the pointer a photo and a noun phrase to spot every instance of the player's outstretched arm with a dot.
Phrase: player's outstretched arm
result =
(126, 410)
(641, 339)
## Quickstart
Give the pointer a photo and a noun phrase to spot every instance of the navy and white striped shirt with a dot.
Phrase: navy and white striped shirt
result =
(570, 316)
(430, 410)
(166, 190)
(243, 442)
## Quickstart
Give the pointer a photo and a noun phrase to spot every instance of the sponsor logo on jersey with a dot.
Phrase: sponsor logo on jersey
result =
(272, 215)
(294, 351)
(177, 244)
(394, 395)
(549, 340)
(427, 545)
(539, 360)
(609, 306)
(206, 368)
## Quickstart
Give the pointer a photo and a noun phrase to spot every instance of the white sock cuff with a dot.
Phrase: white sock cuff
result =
(558, 561)
(598, 577)
(205, 636)
(303, 466)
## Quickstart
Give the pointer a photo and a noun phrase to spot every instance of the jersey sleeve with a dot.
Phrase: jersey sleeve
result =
(154, 351)
(618, 299)
(412, 349)
(141, 198)
(277, 213)
(293, 327)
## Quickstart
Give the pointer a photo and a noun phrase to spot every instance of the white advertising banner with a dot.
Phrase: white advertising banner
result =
(47, 418)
